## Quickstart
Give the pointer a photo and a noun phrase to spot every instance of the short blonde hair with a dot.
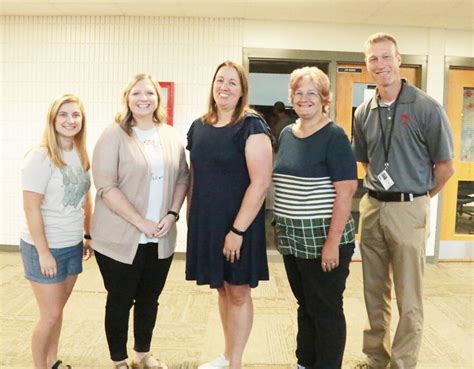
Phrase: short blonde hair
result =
(320, 80)
(242, 106)
(125, 117)
(50, 138)
(380, 37)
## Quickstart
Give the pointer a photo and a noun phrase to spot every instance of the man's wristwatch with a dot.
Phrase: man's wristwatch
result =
(176, 215)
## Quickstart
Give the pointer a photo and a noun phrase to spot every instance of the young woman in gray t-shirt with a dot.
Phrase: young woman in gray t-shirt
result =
(55, 185)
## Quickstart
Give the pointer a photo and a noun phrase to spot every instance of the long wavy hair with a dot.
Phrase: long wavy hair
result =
(50, 138)
(242, 107)
(125, 117)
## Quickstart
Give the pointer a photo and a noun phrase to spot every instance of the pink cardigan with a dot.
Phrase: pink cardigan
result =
(121, 161)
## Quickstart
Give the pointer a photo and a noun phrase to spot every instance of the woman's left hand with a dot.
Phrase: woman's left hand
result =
(165, 225)
(87, 250)
(330, 256)
(232, 245)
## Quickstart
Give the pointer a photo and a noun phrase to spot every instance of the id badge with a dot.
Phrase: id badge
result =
(385, 179)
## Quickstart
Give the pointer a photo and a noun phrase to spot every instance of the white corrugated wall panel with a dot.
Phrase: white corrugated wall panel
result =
(94, 57)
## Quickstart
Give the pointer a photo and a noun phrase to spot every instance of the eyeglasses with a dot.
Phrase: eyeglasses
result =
(311, 95)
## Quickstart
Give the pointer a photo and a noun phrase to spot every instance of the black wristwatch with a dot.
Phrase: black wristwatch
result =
(87, 236)
(176, 215)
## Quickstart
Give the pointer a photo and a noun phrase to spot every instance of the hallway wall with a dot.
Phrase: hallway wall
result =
(94, 57)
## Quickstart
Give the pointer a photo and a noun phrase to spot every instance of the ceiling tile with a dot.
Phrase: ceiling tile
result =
(449, 14)
(162, 10)
(28, 8)
(77, 8)
(223, 10)
(158, 3)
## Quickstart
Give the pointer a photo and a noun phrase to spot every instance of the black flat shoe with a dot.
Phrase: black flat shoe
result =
(59, 365)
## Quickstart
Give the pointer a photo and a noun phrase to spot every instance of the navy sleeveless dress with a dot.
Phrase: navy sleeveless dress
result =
(220, 179)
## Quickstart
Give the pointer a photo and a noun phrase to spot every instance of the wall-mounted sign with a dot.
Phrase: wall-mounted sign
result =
(349, 70)
(167, 94)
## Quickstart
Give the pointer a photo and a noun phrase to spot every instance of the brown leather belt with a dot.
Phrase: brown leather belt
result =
(394, 196)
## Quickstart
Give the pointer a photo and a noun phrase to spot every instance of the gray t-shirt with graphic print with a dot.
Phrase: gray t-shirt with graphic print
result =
(63, 190)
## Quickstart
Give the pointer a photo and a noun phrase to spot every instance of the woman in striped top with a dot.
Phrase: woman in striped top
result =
(315, 177)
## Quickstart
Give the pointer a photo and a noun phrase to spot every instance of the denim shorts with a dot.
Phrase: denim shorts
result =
(68, 262)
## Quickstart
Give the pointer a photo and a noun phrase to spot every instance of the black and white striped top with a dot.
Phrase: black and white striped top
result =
(303, 198)
(305, 169)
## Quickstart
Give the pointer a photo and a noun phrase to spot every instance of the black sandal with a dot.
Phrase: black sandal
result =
(59, 365)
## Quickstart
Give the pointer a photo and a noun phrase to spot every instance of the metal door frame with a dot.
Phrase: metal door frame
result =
(333, 58)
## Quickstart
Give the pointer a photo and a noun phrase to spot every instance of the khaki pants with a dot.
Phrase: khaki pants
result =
(392, 243)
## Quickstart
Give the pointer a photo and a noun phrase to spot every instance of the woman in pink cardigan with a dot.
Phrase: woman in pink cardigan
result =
(141, 176)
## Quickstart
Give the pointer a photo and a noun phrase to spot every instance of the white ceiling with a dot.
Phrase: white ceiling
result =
(446, 14)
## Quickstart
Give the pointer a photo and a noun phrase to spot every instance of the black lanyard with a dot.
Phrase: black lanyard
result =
(386, 145)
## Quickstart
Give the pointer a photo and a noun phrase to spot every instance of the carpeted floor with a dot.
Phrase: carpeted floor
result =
(188, 329)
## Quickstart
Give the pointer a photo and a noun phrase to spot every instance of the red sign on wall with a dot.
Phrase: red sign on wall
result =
(167, 96)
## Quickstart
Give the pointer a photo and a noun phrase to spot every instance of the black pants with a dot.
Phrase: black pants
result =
(140, 285)
(321, 336)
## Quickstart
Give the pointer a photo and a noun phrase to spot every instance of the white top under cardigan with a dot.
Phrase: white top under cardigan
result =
(121, 161)
(151, 139)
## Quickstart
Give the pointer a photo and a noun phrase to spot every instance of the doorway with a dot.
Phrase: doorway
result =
(347, 74)
(268, 87)
(458, 195)
(269, 82)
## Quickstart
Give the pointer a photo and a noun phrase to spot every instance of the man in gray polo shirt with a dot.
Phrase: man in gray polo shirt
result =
(403, 139)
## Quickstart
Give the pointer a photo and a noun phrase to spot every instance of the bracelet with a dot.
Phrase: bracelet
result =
(237, 231)
(176, 215)
(87, 236)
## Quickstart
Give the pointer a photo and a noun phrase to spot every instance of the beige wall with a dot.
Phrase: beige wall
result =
(94, 57)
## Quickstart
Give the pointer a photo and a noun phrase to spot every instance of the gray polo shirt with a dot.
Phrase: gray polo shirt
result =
(421, 137)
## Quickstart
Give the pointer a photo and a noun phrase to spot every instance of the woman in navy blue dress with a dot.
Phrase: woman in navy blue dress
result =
(231, 161)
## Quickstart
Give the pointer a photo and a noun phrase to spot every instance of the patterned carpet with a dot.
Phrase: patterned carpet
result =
(188, 329)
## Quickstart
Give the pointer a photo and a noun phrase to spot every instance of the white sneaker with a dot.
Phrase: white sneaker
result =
(219, 362)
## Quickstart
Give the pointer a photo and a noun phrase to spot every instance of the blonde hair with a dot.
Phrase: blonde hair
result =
(380, 37)
(125, 117)
(318, 77)
(242, 106)
(50, 138)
